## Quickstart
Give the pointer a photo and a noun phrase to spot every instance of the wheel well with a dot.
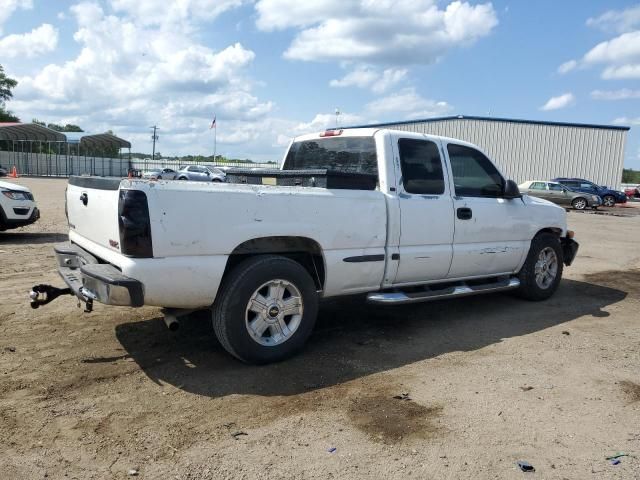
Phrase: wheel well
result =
(305, 251)
(556, 231)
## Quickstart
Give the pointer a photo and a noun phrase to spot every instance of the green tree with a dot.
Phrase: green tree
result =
(7, 84)
(630, 176)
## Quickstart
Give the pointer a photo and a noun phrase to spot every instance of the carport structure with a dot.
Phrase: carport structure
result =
(38, 150)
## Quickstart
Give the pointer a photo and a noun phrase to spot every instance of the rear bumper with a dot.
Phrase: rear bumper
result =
(91, 280)
(569, 250)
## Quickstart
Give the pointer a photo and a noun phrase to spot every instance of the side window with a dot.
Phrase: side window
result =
(193, 169)
(473, 173)
(537, 186)
(556, 187)
(587, 186)
(421, 167)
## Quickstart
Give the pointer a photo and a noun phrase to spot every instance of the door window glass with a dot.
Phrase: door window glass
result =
(556, 187)
(537, 186)
(421, 167)
(473, 173)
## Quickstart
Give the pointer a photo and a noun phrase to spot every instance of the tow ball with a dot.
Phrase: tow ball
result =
(43, 294)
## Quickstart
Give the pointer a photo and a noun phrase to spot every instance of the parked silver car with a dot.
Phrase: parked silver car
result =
(557, 193)
(200, 173)
(160, 174)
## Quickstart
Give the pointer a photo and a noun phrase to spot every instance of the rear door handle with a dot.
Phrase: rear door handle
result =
(464, 213)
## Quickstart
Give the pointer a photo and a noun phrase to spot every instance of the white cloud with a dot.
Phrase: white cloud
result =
(618, 21)
(561, 101)
(154, 12)
(42, 39)
(376, 31)
(406, 104)
(129, 75)
(369, 77)
(622, 94)
(627, 121)
(566, 67)
(8, 7)
(322, 121)
(619, 55)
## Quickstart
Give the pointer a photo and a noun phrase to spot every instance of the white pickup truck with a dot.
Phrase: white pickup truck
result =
(438, 220)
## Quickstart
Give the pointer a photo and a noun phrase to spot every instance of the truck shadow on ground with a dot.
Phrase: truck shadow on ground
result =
(19, 238)
(352, 340)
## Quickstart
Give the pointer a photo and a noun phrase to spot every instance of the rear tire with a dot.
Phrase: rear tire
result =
(265, 309)
(579, 203)
(542, 270)
(608, 201)
(182, 178)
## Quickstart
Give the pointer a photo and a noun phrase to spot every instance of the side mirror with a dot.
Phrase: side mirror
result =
(511, 190)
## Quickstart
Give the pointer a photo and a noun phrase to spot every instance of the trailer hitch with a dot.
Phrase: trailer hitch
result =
(48, 292)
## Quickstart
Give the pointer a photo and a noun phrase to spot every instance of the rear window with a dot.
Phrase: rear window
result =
(343, 154)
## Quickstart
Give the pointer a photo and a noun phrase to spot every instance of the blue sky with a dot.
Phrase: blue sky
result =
(273, 69)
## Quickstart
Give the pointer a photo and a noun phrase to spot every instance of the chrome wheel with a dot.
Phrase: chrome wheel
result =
(609, 201)
(274, 312)
(546, 268)
(580, 204)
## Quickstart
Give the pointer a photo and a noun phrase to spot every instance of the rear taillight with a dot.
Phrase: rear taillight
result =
(134, 223)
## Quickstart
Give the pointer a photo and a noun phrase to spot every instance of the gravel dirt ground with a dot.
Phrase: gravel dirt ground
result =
(483, 381)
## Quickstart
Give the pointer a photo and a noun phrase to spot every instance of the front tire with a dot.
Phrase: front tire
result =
(579, 203)
(265, 310)
(609, 201)
(542, 270)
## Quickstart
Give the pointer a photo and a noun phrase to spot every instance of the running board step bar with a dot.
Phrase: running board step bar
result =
(429, 294)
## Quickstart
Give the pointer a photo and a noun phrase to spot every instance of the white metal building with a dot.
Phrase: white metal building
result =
(535, 150)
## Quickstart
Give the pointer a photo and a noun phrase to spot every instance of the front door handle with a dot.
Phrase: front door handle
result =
(464, 213)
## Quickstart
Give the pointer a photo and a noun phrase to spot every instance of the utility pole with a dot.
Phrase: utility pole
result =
(338, 113)
(154, 137)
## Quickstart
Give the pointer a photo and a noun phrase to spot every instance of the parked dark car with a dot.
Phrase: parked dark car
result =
(3, 171)
(609, 197)
(558, 193)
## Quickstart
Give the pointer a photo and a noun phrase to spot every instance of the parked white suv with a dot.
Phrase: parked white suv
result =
(17, 206)
(402, 217)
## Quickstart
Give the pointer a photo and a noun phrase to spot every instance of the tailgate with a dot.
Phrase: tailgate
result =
(92, 206)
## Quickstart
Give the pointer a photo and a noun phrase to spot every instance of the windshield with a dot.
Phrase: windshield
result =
(343, 154)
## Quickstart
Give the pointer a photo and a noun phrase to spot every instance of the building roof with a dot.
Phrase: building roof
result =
(35, 132)
(98, 140)
(494, 119)
(29, 131)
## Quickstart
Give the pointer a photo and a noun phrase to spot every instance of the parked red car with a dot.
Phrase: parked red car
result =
(632, 192)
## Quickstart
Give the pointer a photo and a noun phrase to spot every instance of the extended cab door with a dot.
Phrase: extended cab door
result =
(426, 212)
(490, 231)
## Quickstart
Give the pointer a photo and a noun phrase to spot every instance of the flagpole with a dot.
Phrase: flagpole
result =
(215, 141)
